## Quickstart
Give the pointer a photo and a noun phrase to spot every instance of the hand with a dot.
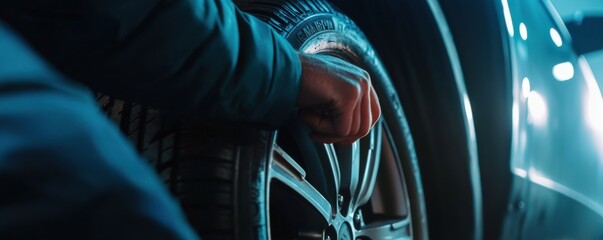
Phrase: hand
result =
(336, 99)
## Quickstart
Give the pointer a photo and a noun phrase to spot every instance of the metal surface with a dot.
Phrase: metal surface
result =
(283, 171)
(557, 146)
(343, 206)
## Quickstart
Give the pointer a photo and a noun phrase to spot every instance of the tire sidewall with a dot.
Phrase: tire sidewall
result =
(334, 32)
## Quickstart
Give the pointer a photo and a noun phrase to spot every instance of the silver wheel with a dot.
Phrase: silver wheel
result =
(323, 191)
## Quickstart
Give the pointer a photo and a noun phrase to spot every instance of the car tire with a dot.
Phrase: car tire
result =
(237, 182)
(416, 45)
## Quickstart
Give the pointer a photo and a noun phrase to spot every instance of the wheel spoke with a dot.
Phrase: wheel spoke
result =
(286, 170)
(320, 162)
(387, 230)
(369, 166)
(333, 165)
(349, 158)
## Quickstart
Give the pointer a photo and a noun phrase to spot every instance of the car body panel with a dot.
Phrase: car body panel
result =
(557, 141)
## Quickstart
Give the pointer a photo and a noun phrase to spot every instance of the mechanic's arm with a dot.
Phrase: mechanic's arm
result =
(194, 56)
(184, 56)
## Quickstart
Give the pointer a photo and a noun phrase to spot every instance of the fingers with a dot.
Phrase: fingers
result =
(375, 107)
(366, 114)
(328, 139)
(336, 99)
(332, 124)
(359, 124)
(330, 129)
(356, 124)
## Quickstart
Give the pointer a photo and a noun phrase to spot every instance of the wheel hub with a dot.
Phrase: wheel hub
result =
(345, 232)
(351, 174)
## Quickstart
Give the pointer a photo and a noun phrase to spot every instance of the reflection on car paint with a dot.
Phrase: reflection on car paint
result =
(556, 37)
(541, 180)
(563, 71)
(508, 19)
(557, 121)
(523, 31)
(537, 109)
(525, 87)
(593, 106)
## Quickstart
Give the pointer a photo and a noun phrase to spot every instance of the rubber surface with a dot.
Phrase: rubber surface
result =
(219, 172)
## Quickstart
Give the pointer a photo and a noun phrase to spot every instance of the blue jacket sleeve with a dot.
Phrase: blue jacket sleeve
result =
(201, 58)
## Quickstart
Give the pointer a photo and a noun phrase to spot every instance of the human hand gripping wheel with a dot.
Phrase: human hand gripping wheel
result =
(336, 99)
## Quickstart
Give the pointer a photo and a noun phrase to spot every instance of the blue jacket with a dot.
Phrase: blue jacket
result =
(201, 58)
(65, 170)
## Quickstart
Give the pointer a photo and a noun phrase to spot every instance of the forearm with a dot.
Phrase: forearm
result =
(202, 58)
